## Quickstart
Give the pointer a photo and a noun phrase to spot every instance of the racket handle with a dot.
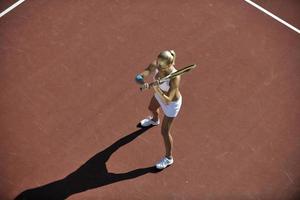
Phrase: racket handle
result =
(149, 85)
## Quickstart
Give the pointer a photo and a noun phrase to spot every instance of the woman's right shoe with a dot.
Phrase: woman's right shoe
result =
(165, 162)
(148, 121)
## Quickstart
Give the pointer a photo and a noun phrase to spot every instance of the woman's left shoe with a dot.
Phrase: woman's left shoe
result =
(165, 162)
(149, 121)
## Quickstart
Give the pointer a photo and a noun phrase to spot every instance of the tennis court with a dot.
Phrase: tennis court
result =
(69, 104)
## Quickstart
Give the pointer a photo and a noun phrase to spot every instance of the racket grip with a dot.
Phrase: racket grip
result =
(149, 85)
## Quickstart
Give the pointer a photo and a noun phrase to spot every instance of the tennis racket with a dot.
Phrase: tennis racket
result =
(168, 77)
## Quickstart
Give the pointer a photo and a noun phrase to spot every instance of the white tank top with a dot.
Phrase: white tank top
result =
(165, 86)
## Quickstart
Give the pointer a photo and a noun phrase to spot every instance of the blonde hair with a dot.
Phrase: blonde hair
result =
(169, 55)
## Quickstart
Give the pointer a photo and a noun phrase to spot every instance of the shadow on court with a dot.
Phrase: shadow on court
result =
(92, 174)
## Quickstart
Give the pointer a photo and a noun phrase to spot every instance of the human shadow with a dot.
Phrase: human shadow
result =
(92, 174)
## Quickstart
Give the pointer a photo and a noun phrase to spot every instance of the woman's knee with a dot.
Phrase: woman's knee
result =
(152, 109)
(165, 131)
(154, 105)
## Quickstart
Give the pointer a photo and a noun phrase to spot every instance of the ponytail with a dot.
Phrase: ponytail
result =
(174, 56)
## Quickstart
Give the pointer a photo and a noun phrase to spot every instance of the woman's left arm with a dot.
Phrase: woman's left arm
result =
(174, 86)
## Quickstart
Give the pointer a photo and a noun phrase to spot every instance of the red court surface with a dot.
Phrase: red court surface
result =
(286, 9)
(69, 103)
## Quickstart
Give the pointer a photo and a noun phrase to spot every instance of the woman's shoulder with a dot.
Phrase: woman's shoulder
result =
(175, 80)
(154, 65)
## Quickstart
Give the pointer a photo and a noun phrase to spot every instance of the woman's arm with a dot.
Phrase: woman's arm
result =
(149, 69)
(174, 86)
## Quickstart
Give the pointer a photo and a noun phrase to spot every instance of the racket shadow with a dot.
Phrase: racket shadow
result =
(92, 174)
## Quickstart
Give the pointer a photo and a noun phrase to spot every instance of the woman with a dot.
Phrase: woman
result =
(167, 96)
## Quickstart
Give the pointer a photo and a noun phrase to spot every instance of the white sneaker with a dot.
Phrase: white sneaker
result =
(163, 163)
(148, 121)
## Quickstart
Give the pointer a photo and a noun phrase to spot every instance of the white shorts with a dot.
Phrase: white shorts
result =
(171, 109)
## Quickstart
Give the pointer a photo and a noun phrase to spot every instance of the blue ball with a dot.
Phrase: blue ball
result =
(139, 78)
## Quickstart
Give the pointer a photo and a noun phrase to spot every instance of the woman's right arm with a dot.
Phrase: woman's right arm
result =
(149, 69)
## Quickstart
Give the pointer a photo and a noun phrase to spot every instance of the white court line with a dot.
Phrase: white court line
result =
(11, 7)
(273, 16)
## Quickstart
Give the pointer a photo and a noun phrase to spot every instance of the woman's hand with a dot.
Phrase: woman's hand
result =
(151, 85)
(155, 83)
(144, 86)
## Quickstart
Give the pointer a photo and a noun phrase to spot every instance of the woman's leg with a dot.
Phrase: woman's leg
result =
(165, 130)
(154, 108)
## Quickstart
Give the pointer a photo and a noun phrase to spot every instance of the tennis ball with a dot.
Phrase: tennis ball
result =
(139, 79)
